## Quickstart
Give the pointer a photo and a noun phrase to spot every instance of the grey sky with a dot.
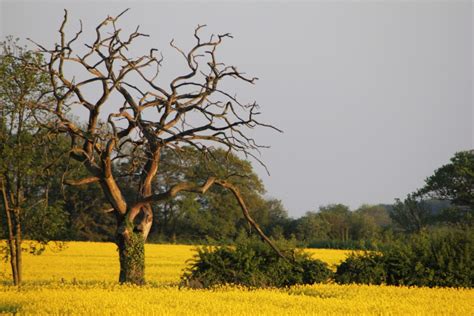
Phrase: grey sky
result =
(372, 96)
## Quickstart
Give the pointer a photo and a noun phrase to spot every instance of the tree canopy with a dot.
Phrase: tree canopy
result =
(453, 181)
(28, 180)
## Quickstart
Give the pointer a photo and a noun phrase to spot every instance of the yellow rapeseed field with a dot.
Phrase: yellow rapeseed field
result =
(82, 280)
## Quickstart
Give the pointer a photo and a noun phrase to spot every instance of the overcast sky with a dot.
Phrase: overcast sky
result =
(372, 95)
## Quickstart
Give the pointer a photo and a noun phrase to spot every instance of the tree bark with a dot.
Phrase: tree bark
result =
(131, 246)
(11, 236)
(131, 237)
(18, 242)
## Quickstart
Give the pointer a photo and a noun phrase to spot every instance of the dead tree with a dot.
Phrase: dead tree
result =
(131, 116)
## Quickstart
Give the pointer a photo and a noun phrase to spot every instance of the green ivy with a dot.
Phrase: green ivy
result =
(133, 259)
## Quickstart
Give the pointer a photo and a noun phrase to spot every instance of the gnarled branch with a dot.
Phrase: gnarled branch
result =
(81, 181)
(202, 189)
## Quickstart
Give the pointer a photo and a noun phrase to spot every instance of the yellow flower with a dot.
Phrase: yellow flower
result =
(82, 279)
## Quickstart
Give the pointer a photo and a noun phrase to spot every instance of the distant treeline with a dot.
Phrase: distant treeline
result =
(331, 226)
(80, 212)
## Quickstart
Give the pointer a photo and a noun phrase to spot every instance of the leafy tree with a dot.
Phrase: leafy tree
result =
(378, 213)
(87, 208)
(335, 225)
(26, 155)
(368, 222)
(363, 227)
(273, 217)
(217, 214)
(312, 227)
(446, 198)
(338, 216)
(411, 215)
(453, 182)
(453, 215)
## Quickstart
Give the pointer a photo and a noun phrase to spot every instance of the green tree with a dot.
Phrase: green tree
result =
(378, 213)
(87, 209)
(363, 227)
(368, 222)
(453, 182)
(446, 198)
(311, 227)
(273, 217)
(26, 154)
(338, 217)
(216, 215)
(411, 215)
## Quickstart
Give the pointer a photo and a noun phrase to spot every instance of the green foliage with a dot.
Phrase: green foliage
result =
(253, 263)
(45, 223)
(411, 215)
(27, 151)
(338, 216)
(435, 258)
(136, 249)
(27, 156)
(453, 181)
(367, 268)
(335, 226)
(456, 216)
(84, 205)
(378, 214)
(446, 199)
(215, 215)
(311, 227)
(132, 259)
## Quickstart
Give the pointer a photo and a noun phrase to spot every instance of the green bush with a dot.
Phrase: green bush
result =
(435, 258)
(367, 268)
(253, 263)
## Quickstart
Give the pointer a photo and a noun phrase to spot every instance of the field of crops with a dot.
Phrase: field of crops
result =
(82, 280)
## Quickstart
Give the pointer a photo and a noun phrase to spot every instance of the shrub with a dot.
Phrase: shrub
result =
(434, 258)
(253, 263)
(367, 268)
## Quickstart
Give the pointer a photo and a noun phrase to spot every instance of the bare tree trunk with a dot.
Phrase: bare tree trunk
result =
(11, 235)
(18, 242)
(13, 261)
